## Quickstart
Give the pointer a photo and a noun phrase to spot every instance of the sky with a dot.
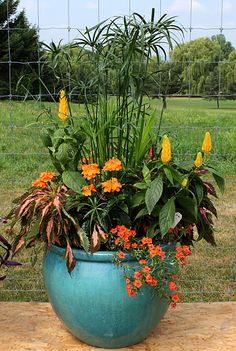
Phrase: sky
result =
(54, 16)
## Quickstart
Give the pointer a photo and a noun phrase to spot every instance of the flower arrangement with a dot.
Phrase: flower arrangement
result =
(116, 186)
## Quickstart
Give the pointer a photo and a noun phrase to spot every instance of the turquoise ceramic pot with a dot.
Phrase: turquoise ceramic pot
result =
(93, 303)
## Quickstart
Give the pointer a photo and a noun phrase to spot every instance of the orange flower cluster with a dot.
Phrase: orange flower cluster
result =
(112, 165)
(181, 254)
(124, 236)
(153, 250)
(45, 177)
(90, 171)
(111, 185)
(88, 189)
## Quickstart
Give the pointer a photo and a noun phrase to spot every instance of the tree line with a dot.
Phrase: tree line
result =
(203, 67)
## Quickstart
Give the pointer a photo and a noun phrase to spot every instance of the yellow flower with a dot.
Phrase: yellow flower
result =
(184, 182)
(206, 145)
(63, 106)
(198, 161)
(166, 150)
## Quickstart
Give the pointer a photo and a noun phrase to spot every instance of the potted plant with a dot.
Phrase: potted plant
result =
(118, 214)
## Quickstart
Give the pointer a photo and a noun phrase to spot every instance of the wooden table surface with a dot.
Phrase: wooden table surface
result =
(191, 327)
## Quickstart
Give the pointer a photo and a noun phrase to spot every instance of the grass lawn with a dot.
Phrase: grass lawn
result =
(211, 274)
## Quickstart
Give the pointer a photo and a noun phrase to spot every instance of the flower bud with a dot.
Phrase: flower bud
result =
(63, 106)
(166, 150)
(198, 161)
(184, 182)
(206, 145)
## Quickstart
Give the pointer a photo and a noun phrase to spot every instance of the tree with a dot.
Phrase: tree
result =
(19, 45)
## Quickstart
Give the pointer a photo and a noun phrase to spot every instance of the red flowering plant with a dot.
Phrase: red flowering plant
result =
(115, 185)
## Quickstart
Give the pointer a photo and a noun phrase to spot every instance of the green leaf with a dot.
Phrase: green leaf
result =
(141, 213)
(168, 174)
(151, 230)
(220, 182)
(62, 153)
(189, 204)
(141, 185)
(138, 199)
(83, 239)
(166, 216)
(73, 180)
(146, 172)
(154, 193)
(45, 137)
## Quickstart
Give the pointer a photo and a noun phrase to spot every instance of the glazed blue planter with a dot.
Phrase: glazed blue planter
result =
(93, 303)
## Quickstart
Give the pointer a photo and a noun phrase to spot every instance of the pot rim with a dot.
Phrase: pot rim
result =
(82, 255)
(98, 256)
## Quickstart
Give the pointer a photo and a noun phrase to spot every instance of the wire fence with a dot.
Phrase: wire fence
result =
(211, 274)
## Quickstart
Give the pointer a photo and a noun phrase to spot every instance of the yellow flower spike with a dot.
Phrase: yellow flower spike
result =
(166, 150)
(63, 106)
(206, 145)
(184, 182)
(198, 161)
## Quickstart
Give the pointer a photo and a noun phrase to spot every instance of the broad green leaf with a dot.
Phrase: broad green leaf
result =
(166, 216)
(168, 174)
(151, 230)
(141, 185)
(189, 204)
(141, 213)
(73, 180)
(220, 182)
(138, 199)
(62, 153)
(154, 193)
(146, 172)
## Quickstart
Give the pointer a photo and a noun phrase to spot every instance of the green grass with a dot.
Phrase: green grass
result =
(211, 274)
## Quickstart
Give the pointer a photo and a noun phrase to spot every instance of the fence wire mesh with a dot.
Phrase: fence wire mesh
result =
(211, 274)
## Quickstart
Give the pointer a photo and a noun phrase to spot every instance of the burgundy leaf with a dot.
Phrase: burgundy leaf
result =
(203, 214)
(70, 259)
(201, 171)
(18, 245)
(5, 242)
(95, 237)
(10, 263)
(49, 231)
(102, 233)
(210, 189)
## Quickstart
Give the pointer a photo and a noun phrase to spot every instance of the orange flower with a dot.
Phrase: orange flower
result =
(130, 290)
(142, 262)
(146, 240)
(63, 106)
(47, 176)
(112, 165)
(39, 183)
(146, 269)
(173, 306)
(175, 298)
(134, 246)
(172, 286)
(137, 283)
(90, 171)
(137, 275)
(43, 179)
(121, 254)
(111, 185)
(87, 190)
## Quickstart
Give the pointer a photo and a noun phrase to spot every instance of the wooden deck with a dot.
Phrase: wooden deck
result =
(191, 327)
